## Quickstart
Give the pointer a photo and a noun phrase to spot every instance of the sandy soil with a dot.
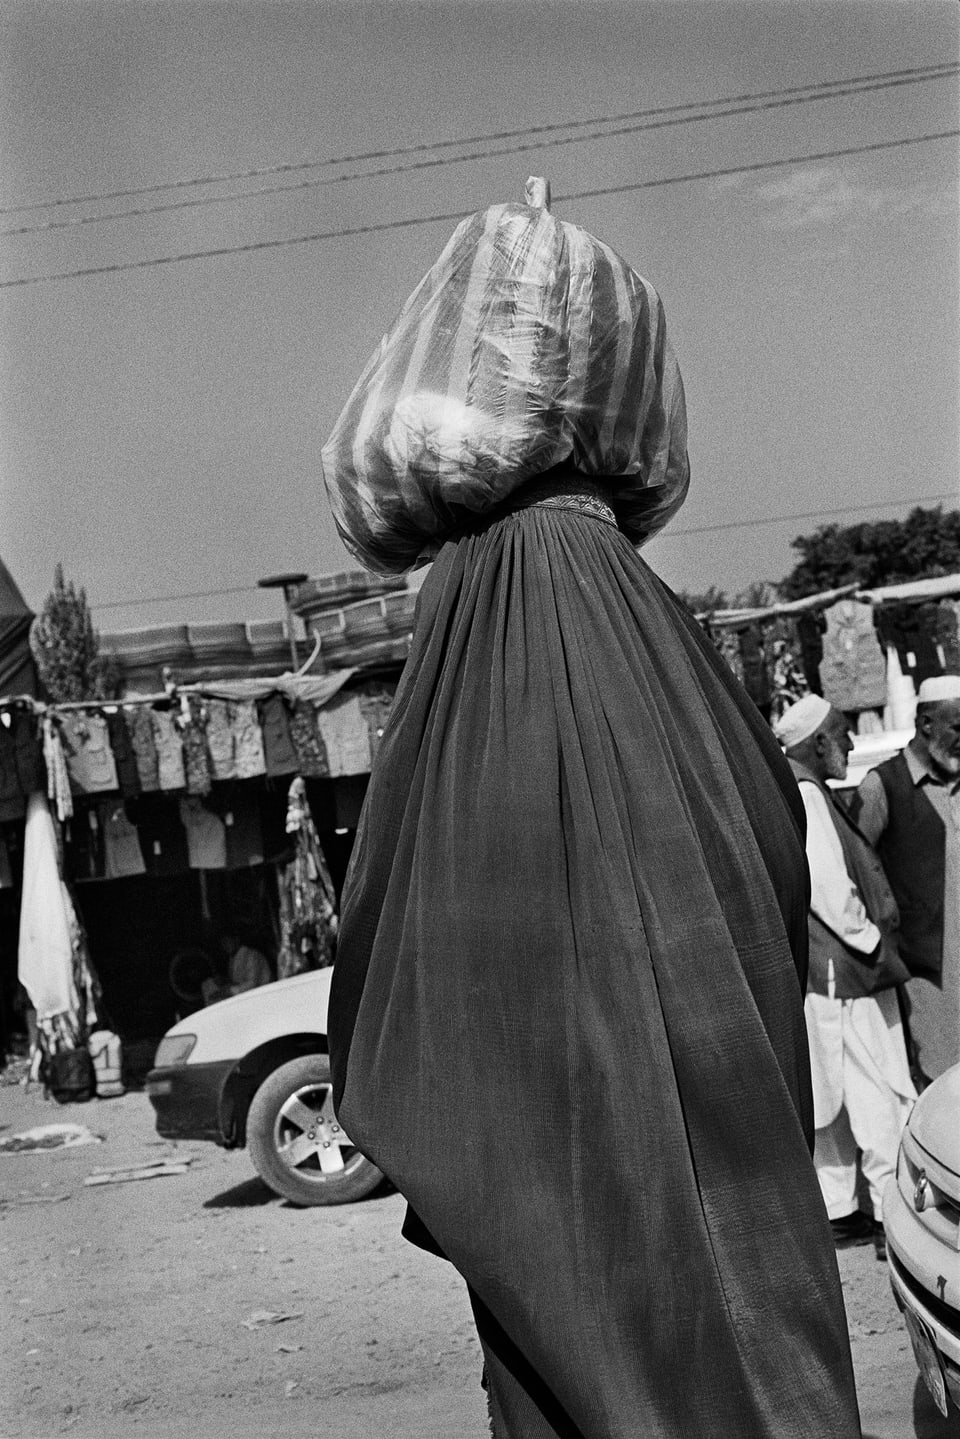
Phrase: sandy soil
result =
(125, 1304)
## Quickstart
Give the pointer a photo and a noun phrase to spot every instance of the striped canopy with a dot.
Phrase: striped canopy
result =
(527, 344)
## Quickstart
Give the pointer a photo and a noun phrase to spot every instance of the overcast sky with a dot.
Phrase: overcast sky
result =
(160, 426)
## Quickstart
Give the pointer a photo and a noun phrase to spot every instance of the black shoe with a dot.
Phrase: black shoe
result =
(879, 1240)
(853, 1229)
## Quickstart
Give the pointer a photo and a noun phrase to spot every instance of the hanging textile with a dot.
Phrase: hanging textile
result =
(58, 778)
(280, 755)
(89, 757)
(145, 748)
(220, 739)
(852, 670)
(249, 757)
(121, 842)
(308, 915)
(311, 754)
(345, 735)
(124, 755)
(45, 953)
(169, 750)
(192, 724)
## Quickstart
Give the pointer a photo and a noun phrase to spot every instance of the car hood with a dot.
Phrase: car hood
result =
(935, 1121)
(233, 1027)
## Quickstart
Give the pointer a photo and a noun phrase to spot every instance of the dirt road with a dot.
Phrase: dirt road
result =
(131, 1310)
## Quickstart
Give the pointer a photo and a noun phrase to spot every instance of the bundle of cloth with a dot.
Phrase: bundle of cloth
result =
(526, 345)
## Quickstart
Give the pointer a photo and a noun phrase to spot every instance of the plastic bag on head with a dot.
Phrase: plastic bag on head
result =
(527, 344)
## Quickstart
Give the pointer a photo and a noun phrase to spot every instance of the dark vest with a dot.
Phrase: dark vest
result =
(913, 851)
(855, 973)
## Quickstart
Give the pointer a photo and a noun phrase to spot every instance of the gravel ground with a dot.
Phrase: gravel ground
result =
(126, 1304)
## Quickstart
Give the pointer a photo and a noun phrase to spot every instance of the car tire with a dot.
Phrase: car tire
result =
(295, 1142)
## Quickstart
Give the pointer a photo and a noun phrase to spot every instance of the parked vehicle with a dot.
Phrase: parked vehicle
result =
(921, 1216)
(253, 1070)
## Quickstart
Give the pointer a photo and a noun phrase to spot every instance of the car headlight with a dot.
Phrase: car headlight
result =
(174, 1049)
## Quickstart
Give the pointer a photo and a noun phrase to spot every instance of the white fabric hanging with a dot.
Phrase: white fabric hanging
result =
(45, 960)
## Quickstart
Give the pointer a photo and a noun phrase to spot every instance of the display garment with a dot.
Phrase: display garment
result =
(853, 673)
(754, 667)
(240, 811)
(220, 739)
(206, 834)
(193, 732)
(140, 724)
(163, 841)
(305, 733)
(862, 1090)
(947, 634)
(166, 736)
(345, 734)
(58, 777)
(124, 755)
(579, 882)
(89, 756)
(280, 756)
(121, 841)
(810, 627)
(13, 802)
(249, 759)
(912, 814)
(308, 912)
(376, 702)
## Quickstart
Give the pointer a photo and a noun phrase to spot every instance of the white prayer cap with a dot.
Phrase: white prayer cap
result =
(940, 687)
(801, 720)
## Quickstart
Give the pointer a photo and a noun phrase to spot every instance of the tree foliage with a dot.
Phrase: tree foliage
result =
(66, 647)
(885, 552)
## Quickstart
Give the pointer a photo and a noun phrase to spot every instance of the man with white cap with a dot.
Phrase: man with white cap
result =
(909, 807)
(862, 1089)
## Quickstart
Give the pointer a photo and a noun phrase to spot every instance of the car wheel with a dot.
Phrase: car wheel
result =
(295, 1142)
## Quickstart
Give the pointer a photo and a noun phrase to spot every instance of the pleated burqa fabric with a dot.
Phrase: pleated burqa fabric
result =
(566, 1017)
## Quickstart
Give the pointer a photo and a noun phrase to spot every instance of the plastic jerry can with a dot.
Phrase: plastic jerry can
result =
(106, 1053)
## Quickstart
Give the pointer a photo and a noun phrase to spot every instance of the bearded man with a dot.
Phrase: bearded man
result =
(909, 807)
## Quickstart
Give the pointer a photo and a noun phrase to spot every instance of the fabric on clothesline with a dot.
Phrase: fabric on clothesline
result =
(122, 853)
(90, 759)
(45, 951)
(124, 755)
(169, 745)
(853, 672)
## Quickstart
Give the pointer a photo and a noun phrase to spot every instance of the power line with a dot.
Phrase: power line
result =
(161, 599)
(809, 515)
(918, 73)
(74, 221)
(418, 220)
(668, 534)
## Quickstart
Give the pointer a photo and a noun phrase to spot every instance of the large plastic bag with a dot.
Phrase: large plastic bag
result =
(527, 344)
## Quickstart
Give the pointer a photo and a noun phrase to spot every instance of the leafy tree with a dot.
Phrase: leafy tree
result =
(66, 647)
(885, 552)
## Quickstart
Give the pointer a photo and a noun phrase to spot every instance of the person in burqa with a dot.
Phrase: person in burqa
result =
(566, 1016)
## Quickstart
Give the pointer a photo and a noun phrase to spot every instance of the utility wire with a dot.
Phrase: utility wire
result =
(920, 72)
(438, 161)
(667, 534)
(418, 220)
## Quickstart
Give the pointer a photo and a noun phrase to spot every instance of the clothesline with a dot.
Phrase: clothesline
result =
(912, 590)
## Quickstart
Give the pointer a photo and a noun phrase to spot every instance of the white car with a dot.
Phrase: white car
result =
(253, 1070)
(921, 1216)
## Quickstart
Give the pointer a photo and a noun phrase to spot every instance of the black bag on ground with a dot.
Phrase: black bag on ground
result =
(69, 1076)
